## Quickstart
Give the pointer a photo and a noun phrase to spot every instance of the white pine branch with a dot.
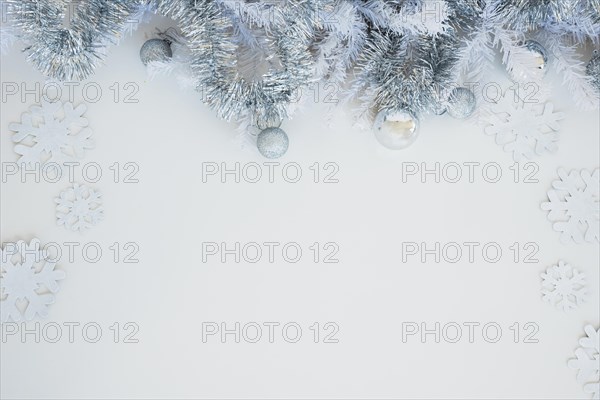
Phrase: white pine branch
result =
(572, 69)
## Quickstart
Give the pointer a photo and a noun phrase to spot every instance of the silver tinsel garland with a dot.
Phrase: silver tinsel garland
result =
(401, 54)
(69, 53)
(581, 17)
(402, 69)
(210, 35)
(405, 72)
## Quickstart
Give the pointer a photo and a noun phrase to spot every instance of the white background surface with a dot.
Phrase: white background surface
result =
(368, 294)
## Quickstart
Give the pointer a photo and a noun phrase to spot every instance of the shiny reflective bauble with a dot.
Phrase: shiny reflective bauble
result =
(396, 129)
(461, 103)
(538, 52)
(593, 70)
(272, 142)
(155, 50)
(531, 66)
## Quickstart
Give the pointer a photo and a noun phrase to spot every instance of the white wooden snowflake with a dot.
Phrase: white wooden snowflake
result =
(524, 129)
(587, 362)
(563, 286)
(54, 132)
(28, 281)
(574, 206)
(79, 208)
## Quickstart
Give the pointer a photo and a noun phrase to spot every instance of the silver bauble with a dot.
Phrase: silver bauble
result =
(593, 70)
(155, 50)
(461, 103)
(538, 52)
(272, 142)
(396, 129)
(531, 66)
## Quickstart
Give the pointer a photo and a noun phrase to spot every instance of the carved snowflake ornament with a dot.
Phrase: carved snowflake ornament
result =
(52, 132)
(587, 362)
(79, 208)
(28, 281)
(574, 206)
(524, 129)
(563, 286)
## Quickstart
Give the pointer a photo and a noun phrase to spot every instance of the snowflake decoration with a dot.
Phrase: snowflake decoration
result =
(587, 362)
(562, 286)
(574, 206)
(79, 208)
(28, 281)
(523, 128)
(54, 132)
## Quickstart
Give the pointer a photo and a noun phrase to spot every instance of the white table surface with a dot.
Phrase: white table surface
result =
(369, 294)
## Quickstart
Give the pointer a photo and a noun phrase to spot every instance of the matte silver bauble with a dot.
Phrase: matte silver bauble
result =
(155, 50)
(272, 142)
(593, 70)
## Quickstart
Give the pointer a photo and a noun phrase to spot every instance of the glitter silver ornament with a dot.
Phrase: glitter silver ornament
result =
(272, 142)
(155, 50)
(396, 129)
(461, 103)
(538, 52)
(593, 70)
